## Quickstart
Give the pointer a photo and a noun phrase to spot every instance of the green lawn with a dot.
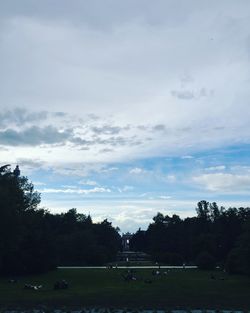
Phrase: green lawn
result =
(102, 287)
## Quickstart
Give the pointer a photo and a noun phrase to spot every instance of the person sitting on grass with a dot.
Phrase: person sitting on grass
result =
(32, 287)
(129, 275)
(63, 284)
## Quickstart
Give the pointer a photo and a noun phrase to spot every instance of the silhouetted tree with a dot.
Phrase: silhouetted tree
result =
(23, 243)
(222, 234)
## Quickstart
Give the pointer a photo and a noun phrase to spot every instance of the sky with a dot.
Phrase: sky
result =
(123, 109)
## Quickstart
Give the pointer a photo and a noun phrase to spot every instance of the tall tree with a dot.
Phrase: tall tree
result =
(22, 227)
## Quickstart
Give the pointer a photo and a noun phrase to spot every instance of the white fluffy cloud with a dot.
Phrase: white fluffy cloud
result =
(136, 170)
(75, 190)
(224, 182)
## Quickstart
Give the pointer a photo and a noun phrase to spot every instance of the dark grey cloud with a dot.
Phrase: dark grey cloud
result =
(116, 141)
(34, 136)
(93, 117)
(113, 141)
(106, 150)
(30, 163)
(152, 128)
(59, 114)
(106, 130)
(82, 142)
(159, 127)
(50, 135)
(120, 141)
(142, 127)
(20, 116)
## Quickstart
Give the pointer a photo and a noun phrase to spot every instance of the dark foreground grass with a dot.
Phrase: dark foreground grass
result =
(105, 288)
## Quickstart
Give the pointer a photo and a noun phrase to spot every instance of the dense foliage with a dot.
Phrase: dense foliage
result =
(33, 240)
(215, 236)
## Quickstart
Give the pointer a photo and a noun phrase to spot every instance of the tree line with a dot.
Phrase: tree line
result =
(215, 237)
(33, 240)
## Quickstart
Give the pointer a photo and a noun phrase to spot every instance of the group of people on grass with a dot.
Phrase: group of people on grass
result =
(58, 285)
(131, 275)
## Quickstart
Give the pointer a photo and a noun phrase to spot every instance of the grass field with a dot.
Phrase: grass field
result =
(106, 288)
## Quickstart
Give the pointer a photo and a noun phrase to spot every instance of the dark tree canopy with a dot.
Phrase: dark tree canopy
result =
(214, 236)
(33, 240)
(25, 244)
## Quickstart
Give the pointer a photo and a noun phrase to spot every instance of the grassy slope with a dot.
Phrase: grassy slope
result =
(101, 287)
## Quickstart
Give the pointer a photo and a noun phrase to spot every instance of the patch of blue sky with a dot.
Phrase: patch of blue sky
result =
(151, 179)
(231, 155)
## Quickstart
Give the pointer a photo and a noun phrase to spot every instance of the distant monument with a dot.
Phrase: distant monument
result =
(126, 255)
(126, 241)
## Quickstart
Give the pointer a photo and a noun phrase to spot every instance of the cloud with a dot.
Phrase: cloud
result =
(125, 188)
(83, 169)
(106, 150)
(34, 136)
(50, 135)
(3, 149)
(189, 95)
(130, 214)
(187, 157)
(216, 168)
(111, 141)
(108, 170)
(81, 95)
(59, 114)
(165, 197)
(76, 191)
(88, 182)
(224, 182)
(106, 130)
(183, 94)
(136, 170)
(27, 166)
(21, 117)
(159, 127)
(38, 183)
(96, 15)
(242, 169)
(171, 178)
(98, 67)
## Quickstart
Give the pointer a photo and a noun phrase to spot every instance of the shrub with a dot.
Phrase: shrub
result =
(237, 261)
(205, 261)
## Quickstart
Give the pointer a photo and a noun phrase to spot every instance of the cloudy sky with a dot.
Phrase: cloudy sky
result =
(126, 108)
